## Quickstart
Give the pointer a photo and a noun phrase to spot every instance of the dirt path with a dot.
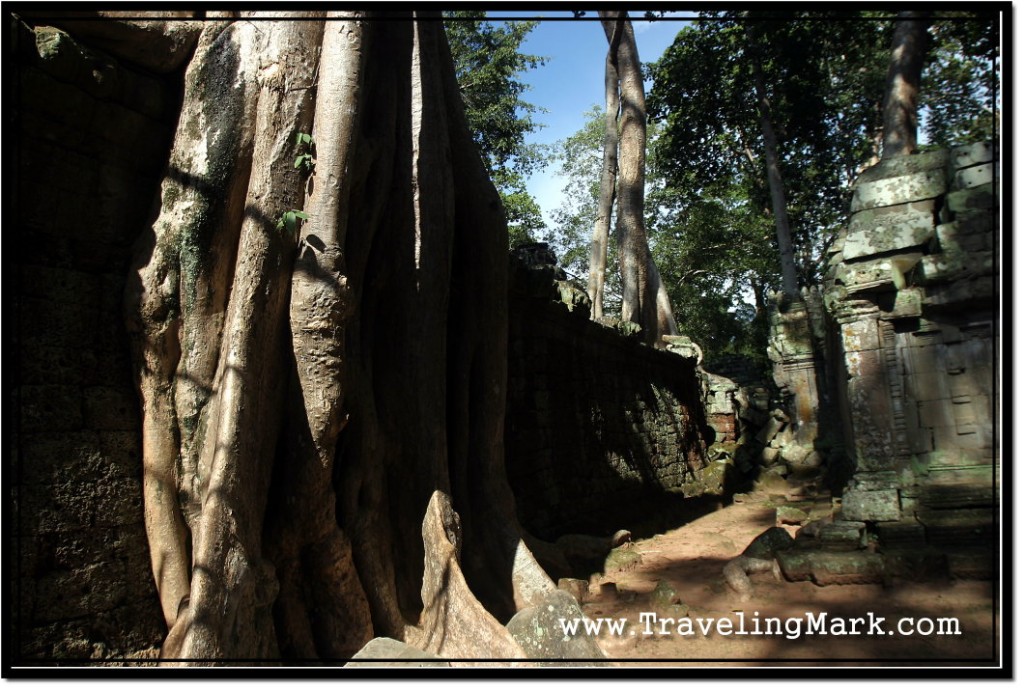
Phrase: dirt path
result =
(690, 560)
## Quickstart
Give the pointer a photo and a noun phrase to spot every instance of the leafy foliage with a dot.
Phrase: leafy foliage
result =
(488, 65)
(824, 80)
(580, 159)
(959, 88)
(291, 220)
(305, 159)
(825, 73)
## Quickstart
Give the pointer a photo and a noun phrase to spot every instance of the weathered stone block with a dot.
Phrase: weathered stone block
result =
(904, 165)
(871, 505)
(877, 274)
(882, 479)
(971, 154)
(974, 382)
(769, 431)
(765, 545)
(947, 235)
(939, 268)
(538, 631)
(906, 305)
(860, 335)
(974, 176)
(832, 568)
(842, 536)
(963, 293)
(913, 187)
(973, 199)
(975, 222)
(790, 515)
(901, 532)
(387, 652)
(874, 231)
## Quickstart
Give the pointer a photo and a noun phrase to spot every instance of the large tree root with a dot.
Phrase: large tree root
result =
(297, 489)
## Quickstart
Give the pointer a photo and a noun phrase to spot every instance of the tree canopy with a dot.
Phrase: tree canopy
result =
(708, 209)
(488, 66)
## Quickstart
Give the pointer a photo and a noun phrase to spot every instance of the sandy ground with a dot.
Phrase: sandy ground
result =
(690, 559)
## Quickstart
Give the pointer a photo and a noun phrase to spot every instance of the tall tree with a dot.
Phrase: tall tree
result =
(903, 83)
(644, 298)
(771, 159)
(303, 489)
(581, 160)
(489, 65)
(815, 79)
(609, 169)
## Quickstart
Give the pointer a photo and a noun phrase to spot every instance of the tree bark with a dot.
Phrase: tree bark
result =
(323, 410)
(775, 186)
(641, 281)
(322, 609)
(609, 169)
(903, 83)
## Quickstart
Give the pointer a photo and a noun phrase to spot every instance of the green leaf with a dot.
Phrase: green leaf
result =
(301, 214)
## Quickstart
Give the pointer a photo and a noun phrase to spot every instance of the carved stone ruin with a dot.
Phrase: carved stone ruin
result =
(912, 292)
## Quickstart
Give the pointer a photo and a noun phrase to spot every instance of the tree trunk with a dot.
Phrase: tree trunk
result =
(641, 281)
(323, 408)
(609, 169)
(903, 82)
(775, 187)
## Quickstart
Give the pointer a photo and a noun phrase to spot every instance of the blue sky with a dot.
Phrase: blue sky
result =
(572, 79)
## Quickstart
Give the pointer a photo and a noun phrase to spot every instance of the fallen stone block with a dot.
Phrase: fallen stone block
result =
(539, 630)
(832, 568)
(387, 652)
(735, 573)
(790, 515)
(765, 545)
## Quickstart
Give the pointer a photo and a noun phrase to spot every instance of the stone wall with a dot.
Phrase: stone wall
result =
(912, 292)
(600, 428)
(91, 138)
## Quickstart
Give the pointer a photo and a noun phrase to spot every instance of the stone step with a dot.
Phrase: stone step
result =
(958, 527)
(971, 564)
(957, 494)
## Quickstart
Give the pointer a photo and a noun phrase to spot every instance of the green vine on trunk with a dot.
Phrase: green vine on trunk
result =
(306, 160)
(291, 220)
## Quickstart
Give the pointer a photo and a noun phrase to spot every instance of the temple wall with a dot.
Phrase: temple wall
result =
(912, 292)
(600, 428)
(92, 134)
